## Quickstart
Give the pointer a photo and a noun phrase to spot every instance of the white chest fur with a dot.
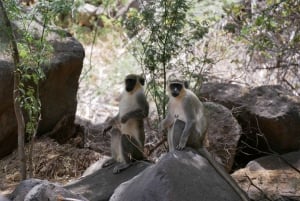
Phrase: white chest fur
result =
(177, 111)
(128, 103)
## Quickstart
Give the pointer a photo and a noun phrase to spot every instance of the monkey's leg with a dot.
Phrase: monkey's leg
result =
(115, 148)
(130, 151)
(203, 151)
(175, 134)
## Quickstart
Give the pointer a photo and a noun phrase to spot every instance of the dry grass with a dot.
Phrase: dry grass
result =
(52, 161)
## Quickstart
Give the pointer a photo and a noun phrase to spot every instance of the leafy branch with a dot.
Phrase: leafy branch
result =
(30, 50)
(165, 33)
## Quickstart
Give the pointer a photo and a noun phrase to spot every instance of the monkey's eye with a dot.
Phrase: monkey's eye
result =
(142, 81)
(130, 81)
(175, 87)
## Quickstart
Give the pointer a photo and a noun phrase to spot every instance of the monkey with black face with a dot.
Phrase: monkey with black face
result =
(187, 124)
(127, 142)
(184, 107)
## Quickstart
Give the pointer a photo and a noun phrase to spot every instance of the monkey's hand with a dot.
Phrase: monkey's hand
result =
(181, 145)
(162, 129)
(110, 123)
(107, 128)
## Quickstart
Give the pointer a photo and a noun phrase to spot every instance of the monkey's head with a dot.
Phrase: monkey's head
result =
(132, 81)
(177, 85)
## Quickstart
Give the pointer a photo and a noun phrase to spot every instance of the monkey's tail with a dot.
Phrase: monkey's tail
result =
(203, 151)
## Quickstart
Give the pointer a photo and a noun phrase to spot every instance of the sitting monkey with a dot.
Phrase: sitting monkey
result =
(187, 124)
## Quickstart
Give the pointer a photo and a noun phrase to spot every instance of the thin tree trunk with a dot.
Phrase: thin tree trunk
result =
(30, 153)
(30, 157)
(16, 94)
(21, 125)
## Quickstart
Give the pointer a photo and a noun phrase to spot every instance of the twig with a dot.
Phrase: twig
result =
(290, 85)
(288, 163)
(262, 192)
(273, 153)
(157, 145)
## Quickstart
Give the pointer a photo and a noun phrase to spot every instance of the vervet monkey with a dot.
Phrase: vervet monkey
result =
(187, 124)
(127, 143)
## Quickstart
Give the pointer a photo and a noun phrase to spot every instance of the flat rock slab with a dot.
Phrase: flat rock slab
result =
(272, 178)
(100, 185)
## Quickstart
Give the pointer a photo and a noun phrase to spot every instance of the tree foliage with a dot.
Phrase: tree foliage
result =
(271, 29)
(164, 35)
(16, 92)
(33, 51)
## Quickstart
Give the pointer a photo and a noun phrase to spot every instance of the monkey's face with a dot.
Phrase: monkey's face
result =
(133, 80)
(175, 89)
(130, 84)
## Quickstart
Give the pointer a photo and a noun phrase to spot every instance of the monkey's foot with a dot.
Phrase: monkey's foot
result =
(179, 147)
(120, 167)
(108, 162)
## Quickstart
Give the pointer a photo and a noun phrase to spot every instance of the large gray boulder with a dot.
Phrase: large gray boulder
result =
(177, 176)
(2, 198)
(57, 92)
(41, 190)
(23, 188)
(8, 125)
(269, 117)
(273, 112)
(223, 133)
(226, 94)
(274, 177)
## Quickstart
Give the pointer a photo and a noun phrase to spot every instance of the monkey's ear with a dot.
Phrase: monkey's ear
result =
(142, 81)
(186, 84)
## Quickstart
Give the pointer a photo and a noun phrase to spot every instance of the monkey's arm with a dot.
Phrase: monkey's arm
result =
(141, 112)
(110, 124)
(166, 122)
(137, 114)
